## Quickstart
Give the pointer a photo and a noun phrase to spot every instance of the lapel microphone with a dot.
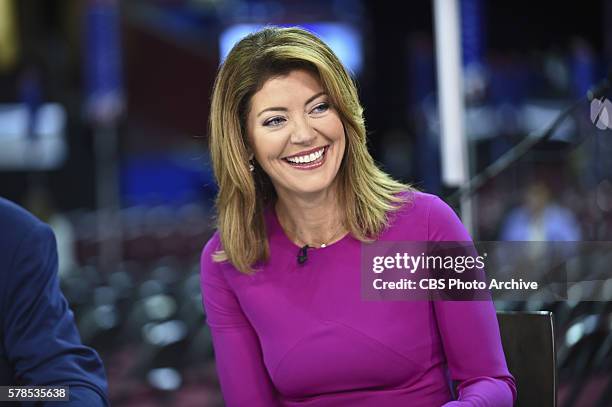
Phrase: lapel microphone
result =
(302, 255)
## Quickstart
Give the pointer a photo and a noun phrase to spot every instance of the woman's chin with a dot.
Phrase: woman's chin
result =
(313, 189)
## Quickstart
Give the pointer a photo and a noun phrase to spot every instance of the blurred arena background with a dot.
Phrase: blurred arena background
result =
(103, 113)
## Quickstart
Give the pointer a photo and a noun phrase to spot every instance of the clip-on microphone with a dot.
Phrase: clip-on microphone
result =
(302, 255)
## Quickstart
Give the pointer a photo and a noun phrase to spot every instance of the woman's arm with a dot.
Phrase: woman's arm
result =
(472, 346)
(242, 374)
(470, 332)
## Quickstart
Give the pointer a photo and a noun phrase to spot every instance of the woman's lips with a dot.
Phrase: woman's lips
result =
(312, 165)
(307, 152)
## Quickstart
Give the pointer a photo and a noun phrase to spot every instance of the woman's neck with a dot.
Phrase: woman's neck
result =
(312, 222)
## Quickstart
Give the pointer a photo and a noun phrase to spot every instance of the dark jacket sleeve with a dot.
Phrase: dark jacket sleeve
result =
(40, 336)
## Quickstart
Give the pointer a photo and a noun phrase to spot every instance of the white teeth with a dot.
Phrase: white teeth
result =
(304, 159)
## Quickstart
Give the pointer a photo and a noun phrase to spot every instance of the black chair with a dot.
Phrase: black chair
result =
(529, 344)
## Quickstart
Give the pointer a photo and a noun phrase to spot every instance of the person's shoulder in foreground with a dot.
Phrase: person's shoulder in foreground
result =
(39, 341)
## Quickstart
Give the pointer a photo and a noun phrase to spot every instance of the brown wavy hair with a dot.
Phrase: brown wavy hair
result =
(366, 192)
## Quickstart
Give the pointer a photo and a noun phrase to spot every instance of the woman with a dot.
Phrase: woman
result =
(298, 193)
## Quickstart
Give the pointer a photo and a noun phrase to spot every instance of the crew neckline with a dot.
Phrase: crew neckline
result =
(277, 225)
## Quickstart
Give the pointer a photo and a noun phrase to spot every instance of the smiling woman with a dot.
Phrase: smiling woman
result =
(305, 134)
(288, 145)
(280, 96)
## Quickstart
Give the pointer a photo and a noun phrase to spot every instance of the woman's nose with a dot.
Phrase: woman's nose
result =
(302, 133)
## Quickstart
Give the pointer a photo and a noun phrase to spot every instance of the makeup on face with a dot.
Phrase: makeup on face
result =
(296, 134)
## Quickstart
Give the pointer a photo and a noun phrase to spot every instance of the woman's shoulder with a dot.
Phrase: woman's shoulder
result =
(426, 216)
(418, 204)
(214, 242)
(417, 196)
(210, 247)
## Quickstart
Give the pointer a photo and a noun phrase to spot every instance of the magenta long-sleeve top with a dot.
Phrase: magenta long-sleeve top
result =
(301, 335)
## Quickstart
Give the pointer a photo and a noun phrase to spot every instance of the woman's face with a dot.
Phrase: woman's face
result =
(296, 135)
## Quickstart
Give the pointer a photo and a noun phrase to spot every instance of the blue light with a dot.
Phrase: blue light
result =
(342, 38)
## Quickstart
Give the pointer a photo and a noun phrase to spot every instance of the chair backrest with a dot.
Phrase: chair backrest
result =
(529, 344)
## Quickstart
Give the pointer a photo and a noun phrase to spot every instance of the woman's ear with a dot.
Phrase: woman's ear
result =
(249, 150)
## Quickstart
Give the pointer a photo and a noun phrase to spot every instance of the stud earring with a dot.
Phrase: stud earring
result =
(251, 166)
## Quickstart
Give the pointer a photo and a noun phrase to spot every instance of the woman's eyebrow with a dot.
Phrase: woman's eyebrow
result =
(284, 109)
(313, 97)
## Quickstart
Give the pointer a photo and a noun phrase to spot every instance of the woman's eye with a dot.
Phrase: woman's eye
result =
(273, 122)
(321, 108)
